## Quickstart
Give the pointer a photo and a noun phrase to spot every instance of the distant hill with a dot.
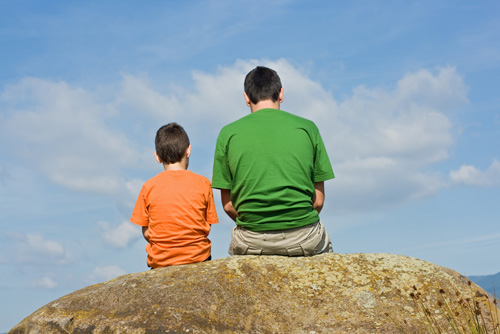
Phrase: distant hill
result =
(490, 283)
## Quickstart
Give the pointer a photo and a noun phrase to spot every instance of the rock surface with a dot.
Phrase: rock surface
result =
(329, 293)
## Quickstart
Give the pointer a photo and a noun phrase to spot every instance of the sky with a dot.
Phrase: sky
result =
(405, 94)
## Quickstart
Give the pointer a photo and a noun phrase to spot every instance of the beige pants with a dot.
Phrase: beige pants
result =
(301, 241)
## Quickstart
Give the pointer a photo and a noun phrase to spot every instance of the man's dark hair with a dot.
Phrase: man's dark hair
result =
(261, 84)
(171, 143)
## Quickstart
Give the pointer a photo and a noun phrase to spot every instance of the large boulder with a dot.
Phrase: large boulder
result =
(329, 293)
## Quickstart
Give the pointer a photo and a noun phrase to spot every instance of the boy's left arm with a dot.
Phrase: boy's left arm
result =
(145, 233)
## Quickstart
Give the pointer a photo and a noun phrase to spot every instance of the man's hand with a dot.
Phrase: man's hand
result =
(227, 205)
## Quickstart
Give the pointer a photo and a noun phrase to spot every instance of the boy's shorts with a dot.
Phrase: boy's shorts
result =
(307, 240)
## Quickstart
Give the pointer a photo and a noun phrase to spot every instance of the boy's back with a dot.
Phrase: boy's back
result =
(178, 208)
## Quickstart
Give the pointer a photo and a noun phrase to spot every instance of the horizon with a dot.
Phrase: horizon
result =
(404, 95)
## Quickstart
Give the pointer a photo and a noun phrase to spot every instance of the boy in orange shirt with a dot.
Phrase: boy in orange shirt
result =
(176, 207)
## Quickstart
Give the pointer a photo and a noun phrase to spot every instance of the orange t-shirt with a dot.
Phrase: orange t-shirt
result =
(178, 208)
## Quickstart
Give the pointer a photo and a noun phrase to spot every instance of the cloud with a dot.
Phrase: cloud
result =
(101, 274)
(382, 142)
(34, 249)
(64, 129)
(120, 236)
(472, 176)
(460, 244)
(46, 283)
(209, 102)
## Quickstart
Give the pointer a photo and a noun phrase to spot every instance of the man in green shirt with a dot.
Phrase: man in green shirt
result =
(270, 167)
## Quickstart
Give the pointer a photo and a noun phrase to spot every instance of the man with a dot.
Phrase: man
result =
(270, 167)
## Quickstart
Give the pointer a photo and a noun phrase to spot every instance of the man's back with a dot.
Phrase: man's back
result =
(270, 160)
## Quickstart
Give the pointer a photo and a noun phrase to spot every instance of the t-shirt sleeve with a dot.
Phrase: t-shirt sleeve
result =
(322, 167)
(211, 211)
(140, 214)
(221, 174)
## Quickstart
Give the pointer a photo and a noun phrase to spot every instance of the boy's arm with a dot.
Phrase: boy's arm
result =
(227, 205)
(145, 233)
(319, 196)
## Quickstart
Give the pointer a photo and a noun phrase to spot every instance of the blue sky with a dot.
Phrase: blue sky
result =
(405, 95)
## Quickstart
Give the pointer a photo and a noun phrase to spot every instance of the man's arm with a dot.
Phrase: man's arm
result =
(227, 205)
(319, 196)
(145, 233)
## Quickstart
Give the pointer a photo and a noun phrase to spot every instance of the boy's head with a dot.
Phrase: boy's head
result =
(171, 143)
(261, 84)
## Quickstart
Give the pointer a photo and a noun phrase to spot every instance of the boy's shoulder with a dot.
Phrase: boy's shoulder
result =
(197, 176)
(166, 176)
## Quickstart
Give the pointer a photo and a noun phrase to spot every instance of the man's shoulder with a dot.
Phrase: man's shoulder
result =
(299, 119)
(234, 127)
(236, 123)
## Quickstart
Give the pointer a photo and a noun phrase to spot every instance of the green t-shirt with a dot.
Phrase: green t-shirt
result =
(270, 160)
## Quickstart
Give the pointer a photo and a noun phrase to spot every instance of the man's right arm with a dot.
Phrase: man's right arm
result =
(227, 205)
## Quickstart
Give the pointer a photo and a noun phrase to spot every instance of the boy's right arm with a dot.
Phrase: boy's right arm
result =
(227, 205)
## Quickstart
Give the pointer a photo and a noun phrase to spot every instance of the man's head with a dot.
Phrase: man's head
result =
(172, 143)
(261, 84)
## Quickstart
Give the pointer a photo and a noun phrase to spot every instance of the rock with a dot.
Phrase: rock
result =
(328, 293)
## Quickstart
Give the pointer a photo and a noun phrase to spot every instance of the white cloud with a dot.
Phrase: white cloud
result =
(105, 273)
(64, 130)
(211, 100)
(34, 249)
(120, 236)
(472, 176)
(473, 240)
(46, 283)
(382, 142)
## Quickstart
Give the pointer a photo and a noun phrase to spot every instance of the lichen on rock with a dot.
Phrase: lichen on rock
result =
(328, 293)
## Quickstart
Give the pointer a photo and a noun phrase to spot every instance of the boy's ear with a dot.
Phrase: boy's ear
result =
(247, 99)
(188, 151)
(281, 95)
(158, 158)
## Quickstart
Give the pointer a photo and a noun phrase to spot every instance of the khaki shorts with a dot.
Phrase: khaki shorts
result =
(307, 240)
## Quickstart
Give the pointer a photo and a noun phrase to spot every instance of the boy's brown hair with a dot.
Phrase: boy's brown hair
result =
(171, 143)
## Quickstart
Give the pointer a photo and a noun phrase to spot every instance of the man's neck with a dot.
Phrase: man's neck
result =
(266, 104)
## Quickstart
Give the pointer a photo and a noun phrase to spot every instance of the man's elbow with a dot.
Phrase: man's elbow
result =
(318, 206)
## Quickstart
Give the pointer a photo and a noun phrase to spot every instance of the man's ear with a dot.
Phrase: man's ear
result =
(188, 151)
(281, 95)
(247, 99)
(157, 158)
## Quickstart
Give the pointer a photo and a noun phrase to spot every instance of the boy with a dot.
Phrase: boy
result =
(271, 166)
(176, 207)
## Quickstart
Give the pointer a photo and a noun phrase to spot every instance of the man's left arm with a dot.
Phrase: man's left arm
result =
(319, 196)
